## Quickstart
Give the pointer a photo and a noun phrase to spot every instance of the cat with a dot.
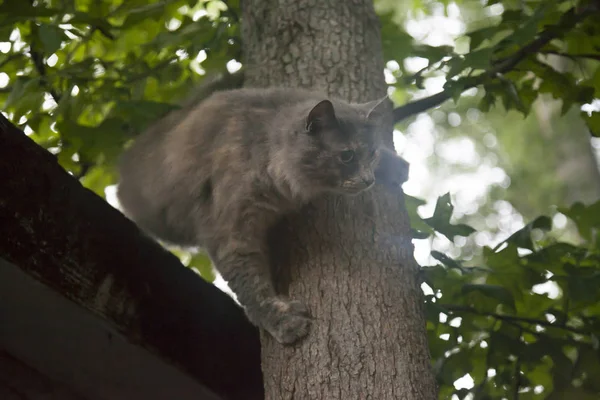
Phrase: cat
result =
(227, 171)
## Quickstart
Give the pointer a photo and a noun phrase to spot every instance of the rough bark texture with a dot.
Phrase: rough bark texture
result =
(71, 240)
(349, 260)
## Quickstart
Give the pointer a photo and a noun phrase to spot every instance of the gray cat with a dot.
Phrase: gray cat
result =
(225, 173)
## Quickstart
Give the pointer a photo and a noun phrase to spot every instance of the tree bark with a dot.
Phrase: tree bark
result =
(349, 259)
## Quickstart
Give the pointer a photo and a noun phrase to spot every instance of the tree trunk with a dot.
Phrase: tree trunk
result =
(348, 259)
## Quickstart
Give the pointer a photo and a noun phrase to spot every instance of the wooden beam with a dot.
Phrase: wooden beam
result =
(74, 242)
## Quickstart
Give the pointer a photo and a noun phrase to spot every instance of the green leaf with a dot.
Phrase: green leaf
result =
(5, 32)
(201, 263)
(447, 261)
(572, 393)
(454, 366)
(586, 218)
(24, 11)
(455, 88)
(479, 59)
(510, 271)
(171, 73)
(588, 364)
(527, 95)
(456, 65)
(18, 89)
(420, 229)
(594, 82)
(583, 286)
(51, 37)
(96, 22)
(100, 144)
(488, 100)
(522, 237)
(396, 43)
(432, 53)
(434, 275)
(510, 96)
(137, 15)
(562, 85)
(478, 36)
(98, 178)
(440, 221)
(554, 257)
(499, 293)
(593, 122)
(26, 95)
(578, 42)
(513, 17)
(140, 113)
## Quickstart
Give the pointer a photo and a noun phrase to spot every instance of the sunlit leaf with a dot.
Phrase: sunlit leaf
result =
(478, 36)
(522, 237)
(440, 221)
(587, 218)
(397, 44)
(201, 263)
(432, 53)
(593, 122)
(420, 229)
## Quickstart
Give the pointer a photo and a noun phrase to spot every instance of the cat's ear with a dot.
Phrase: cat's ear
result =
(322, 115)
(375, 109)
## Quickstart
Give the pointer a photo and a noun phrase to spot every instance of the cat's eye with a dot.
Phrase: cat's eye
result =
(347, 156)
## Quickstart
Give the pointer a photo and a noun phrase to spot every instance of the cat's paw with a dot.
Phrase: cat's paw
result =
(286, 320)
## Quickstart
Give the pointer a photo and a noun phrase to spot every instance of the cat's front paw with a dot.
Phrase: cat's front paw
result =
(286, 320)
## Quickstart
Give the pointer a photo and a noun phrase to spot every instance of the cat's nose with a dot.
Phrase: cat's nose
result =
(368, 181)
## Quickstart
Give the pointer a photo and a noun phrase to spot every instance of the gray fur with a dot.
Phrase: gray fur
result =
(238, 162)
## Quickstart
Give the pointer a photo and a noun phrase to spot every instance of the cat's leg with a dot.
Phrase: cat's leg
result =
(243, 262)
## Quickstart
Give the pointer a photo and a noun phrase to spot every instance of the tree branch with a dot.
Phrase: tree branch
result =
(510, 318)
(567, 22)
(40, 67)
(517, 379)
(418, 106)
(103, 31)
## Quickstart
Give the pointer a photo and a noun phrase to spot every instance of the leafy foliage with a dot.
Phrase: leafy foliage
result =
(88, 76)
(84, 77)
(514, 59)
(526, 321)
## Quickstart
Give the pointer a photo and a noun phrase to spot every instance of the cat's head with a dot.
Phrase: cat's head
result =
(339, 146)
